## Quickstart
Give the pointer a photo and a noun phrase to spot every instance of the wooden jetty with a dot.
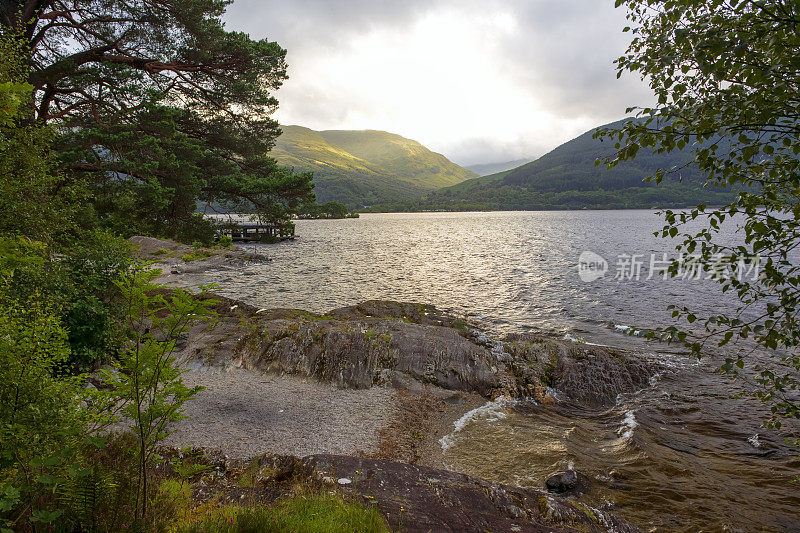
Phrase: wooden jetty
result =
(259, 232)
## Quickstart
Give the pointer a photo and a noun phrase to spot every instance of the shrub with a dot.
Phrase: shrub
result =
(146, 385)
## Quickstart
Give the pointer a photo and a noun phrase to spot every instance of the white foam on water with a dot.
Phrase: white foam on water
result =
(628, 425)
(627, 330)
(753, 440)
(490, 412)
(570, 338)
(580, 340)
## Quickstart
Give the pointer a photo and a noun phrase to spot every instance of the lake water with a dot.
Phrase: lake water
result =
(686, 456)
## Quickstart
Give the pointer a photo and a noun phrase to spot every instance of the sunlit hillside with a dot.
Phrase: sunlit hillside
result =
(360, 168)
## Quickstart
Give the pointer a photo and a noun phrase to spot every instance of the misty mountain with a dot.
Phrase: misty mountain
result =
(487, 169)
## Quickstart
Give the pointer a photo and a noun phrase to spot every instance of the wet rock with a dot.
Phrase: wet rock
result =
(587, 374)
(567, 482)
(562, 482)
(415, 498)
(426, 315)
(363, 352)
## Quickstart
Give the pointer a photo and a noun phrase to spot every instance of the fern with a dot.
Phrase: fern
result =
(81, 496)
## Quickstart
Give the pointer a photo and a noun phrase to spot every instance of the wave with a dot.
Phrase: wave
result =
(580, 340)
(490, 412)
(628, 330)
(628, 426)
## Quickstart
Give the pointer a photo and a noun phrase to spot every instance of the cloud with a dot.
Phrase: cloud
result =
(476, 81)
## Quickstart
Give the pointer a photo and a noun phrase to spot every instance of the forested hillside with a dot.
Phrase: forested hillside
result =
(362, 168)
(569, 178)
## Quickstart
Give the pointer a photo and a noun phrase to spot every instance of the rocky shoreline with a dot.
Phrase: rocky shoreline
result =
(374, 388)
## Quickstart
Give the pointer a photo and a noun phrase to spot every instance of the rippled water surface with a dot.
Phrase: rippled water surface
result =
(679, 456)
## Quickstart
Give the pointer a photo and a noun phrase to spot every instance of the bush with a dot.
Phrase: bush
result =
(193, 229)
(79, 288)
(43, 413)
(90, 297)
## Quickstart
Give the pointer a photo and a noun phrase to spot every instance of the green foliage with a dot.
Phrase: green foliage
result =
(147, 386)
(304, 514)
(90, 298)
(81, 289)
(35, 201)
(38, 204)
(158, 107)
(327, 210)
(196, 254)
(360, 168)
(44, 417)
(726, 76)
(81, 496)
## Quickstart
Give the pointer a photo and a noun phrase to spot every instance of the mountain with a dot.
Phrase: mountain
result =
(493, 168)
(362, 168)
(567, 178)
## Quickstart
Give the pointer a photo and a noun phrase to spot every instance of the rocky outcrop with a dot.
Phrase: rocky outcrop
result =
(415, 498)
(587, 374)
(407, 345)
(173, 258)
(412, 498)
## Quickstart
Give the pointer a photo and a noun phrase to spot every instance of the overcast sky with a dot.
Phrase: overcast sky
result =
(479, 81)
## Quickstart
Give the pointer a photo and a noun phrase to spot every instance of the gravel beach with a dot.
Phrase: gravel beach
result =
(245, 414)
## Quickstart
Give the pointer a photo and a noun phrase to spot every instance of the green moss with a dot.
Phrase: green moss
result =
(249, 477)
(460, 325)
(197, 254)
(318, 513)
(549, 368)
(305, 315)
(587, 511)
(160, 251)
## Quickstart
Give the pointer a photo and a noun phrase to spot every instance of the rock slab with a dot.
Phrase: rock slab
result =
(421, 499)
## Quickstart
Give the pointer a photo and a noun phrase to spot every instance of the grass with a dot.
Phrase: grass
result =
(321, 513)
(197, 254)
(160, 251)
(249, 477)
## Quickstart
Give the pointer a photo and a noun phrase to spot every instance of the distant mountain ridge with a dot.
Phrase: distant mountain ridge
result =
(487, 169)
(568, 178)
(362, 168)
